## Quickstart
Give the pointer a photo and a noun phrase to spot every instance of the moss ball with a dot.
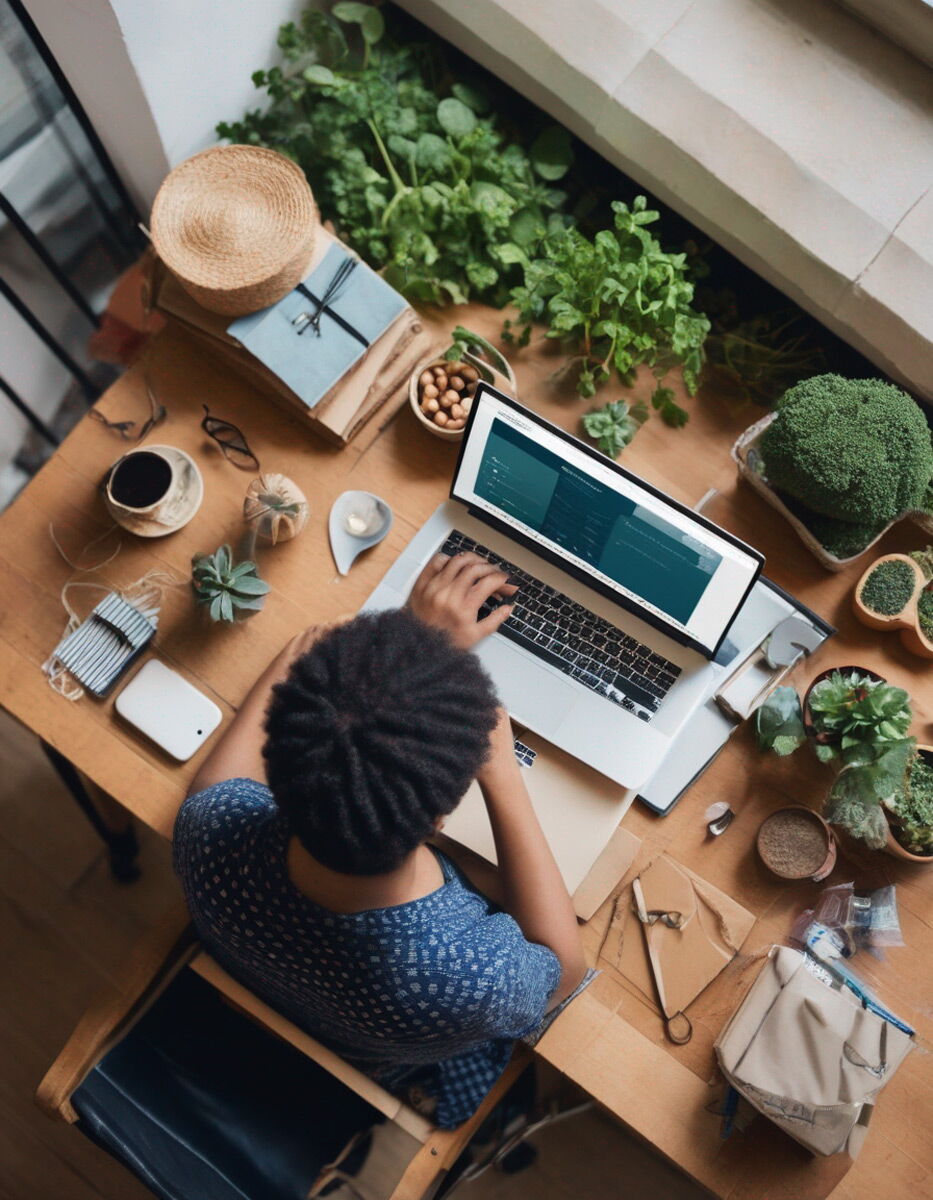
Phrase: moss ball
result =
(888, 588)
(856, 450)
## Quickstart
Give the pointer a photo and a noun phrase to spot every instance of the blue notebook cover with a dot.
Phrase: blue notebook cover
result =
(310, 363)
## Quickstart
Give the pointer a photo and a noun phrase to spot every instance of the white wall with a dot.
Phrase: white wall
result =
(156, 77)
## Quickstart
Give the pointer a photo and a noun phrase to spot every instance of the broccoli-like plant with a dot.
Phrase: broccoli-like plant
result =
(857, 450)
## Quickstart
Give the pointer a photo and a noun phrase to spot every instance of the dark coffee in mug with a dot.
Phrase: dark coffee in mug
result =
(140, 479)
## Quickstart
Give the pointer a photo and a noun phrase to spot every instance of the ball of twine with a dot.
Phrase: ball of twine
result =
(236, 226)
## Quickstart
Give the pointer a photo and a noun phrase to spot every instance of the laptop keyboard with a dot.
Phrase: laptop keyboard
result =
(582, 645)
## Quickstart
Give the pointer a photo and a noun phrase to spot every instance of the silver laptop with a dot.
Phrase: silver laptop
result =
(624, 595)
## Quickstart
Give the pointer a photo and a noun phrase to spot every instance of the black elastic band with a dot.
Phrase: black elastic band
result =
(334, 316)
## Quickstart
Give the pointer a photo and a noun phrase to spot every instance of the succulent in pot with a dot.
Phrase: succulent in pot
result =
(275, 507)
(228, 589)
(858, 722)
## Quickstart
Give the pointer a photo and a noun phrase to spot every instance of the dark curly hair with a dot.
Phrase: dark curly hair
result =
(376, 733)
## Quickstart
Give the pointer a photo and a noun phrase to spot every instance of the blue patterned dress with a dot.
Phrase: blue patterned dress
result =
(427, 995)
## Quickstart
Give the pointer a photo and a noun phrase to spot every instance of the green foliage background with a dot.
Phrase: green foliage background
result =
(413, 166)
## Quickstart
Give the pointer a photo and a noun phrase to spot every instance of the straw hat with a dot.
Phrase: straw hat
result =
(236, 226)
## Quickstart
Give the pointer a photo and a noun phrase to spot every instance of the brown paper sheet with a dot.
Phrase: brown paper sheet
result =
(688, 958)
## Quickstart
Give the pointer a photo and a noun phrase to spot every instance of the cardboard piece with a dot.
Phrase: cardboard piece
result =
(688, 958)
(579, 810)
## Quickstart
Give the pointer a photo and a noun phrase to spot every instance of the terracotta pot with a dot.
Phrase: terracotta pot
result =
(907, 621)
(829, 860)
(824, 739)
(893, 846)
(898, 620)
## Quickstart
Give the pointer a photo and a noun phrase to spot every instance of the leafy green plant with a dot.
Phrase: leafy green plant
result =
(618, 301)
(888, 588)
(861, 726)
(614, 425)
(228, 589)
(779, 722)
(924, 560)
(418, 179)
(912, 808)
(464, 341)
(925, 614)
(852, 451)
(859, 716)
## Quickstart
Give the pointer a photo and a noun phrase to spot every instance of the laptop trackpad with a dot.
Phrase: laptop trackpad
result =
(533, 695)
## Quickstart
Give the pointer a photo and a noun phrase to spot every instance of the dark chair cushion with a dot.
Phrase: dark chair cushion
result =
(202, 1104)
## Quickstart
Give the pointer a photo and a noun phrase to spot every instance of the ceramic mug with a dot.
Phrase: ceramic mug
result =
(153, 490)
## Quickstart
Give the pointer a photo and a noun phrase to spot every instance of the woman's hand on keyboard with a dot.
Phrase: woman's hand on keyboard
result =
(449, 593)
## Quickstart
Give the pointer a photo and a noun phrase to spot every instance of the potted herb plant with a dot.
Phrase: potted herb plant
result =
(910, 811)
(842, 460)
(857, 721)
(895, 593)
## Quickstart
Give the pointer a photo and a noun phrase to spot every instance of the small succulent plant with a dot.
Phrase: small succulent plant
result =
(859, 716)
(228, 589)
(860, 724)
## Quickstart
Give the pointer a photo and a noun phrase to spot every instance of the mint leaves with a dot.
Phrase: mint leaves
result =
(417, 176)
(618, 301)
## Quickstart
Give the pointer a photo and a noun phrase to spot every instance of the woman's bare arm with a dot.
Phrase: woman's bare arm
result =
(238, 754)
(533, 888)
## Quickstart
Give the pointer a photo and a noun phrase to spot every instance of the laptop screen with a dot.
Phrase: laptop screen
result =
(601, 523)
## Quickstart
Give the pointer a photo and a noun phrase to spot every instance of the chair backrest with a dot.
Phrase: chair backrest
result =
(367, 1089)
(150, 969)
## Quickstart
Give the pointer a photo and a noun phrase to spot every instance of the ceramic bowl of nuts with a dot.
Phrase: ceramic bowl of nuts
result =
(441, 392)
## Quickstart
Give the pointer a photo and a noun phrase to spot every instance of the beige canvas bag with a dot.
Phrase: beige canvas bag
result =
(809, 1057)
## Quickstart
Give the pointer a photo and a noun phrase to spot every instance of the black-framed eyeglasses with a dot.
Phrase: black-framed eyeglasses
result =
(134, 431)
(231, 440)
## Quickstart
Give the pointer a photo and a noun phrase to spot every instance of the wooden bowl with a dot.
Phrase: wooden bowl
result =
(913, 637)
(816, 821)
(505, 383)
(899, 620)
(907, 621)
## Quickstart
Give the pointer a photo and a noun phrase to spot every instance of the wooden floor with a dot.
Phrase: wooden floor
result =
(65, 926)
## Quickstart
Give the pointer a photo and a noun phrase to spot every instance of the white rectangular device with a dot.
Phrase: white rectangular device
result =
(168, 710)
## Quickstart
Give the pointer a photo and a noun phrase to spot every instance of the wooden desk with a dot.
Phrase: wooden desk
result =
(609, 1041)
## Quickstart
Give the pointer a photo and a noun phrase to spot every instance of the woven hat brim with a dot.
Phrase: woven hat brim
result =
(236, 225)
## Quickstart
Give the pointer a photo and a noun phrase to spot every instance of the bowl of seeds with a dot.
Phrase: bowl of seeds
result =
(796, 843)
(441, 389)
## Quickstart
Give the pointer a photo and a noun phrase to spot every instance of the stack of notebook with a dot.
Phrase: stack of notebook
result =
(338, 349)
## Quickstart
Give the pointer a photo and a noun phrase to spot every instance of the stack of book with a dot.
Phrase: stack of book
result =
(338, 349)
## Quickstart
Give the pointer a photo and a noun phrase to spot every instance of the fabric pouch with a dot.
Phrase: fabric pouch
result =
(808, 1056)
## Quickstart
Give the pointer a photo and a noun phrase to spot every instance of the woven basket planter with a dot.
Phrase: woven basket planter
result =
(748, 460)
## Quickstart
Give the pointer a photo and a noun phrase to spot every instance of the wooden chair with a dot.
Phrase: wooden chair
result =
(171, 948)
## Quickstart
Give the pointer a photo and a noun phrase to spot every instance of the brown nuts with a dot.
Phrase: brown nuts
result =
(445, 393)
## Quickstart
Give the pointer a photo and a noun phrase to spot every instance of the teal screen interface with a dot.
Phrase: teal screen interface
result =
(635, 547)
